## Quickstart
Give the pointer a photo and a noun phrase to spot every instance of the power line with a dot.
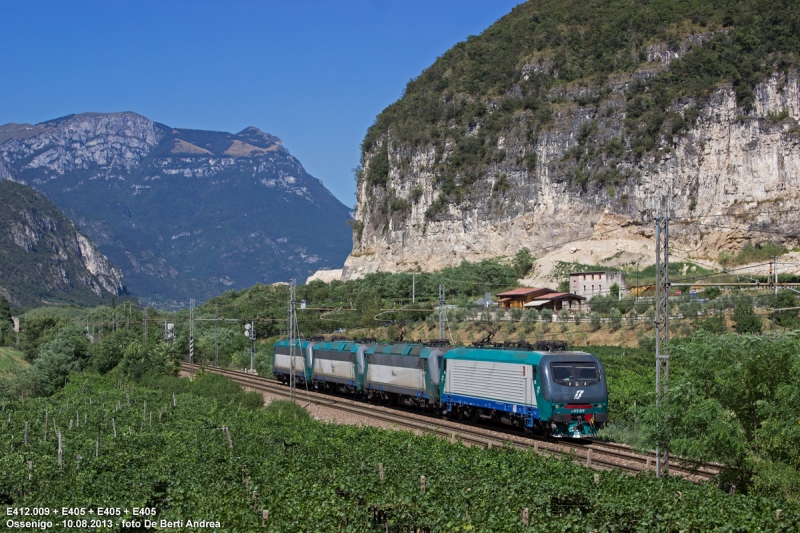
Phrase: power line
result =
(773, 232)
(749, 213)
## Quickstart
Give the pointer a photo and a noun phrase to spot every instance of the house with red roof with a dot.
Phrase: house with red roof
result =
(540, 298)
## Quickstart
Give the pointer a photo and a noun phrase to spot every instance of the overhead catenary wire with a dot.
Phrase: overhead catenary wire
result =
(749, 229)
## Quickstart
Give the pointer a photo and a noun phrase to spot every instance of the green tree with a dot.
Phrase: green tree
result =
(392, 333)
(516, 314)
(745, 318)
(563, 318)
(787, 319)
(6, 323)
(563, 286)
(523, 262)
(615, 319)
(729, 400)
(714, 323)
(594, 320)
(603, 304)
(67, 352)
(35, 331)
(689, 308)
(529, 319)
(547, 319)
(614, 290)
(158, 359)
(626, 304)
(711, 293)
(228, 341)
(106, 354)
(5, 311)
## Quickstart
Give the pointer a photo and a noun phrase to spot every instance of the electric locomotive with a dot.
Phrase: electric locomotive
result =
(282, 355)
(559, 393)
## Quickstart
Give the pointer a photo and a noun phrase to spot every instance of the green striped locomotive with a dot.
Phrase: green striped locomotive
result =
(559, 393)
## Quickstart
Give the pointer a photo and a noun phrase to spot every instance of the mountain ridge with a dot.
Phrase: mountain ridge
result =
(45, 259)
(185, 213)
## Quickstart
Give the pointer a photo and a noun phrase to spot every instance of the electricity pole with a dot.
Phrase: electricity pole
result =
(144, 329)
(191, 330)
(442, 316)
(662, 335)
(216, 336)
(292, 322)
(775, 259)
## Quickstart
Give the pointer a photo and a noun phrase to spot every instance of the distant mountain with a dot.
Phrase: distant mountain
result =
(44, 259)
(185, 213)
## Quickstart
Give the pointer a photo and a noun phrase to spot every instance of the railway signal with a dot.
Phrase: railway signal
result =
(250, 333)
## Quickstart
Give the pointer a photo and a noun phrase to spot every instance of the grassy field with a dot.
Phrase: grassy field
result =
(10, 360)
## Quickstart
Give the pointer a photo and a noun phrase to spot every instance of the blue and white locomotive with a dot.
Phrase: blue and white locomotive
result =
(559, 393)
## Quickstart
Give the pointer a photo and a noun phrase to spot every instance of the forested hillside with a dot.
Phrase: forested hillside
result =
(558, 113)
(44, 258)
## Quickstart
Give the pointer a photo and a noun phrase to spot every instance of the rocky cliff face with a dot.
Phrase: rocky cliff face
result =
(44, 259)
(723, 162)
(185, 213)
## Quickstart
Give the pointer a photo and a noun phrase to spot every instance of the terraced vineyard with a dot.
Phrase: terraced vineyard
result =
(599, 455)
(195, 458)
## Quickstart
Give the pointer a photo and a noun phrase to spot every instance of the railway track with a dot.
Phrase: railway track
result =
(592, 454)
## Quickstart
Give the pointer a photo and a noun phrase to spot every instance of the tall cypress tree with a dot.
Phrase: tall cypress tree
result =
(5, 311)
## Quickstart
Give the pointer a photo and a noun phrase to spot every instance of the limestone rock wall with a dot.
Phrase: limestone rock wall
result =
(731, 179)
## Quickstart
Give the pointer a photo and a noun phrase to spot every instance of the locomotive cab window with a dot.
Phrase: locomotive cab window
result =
(575, 374)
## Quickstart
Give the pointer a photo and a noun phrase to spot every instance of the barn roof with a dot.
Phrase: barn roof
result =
(559, 296)
(525, 291)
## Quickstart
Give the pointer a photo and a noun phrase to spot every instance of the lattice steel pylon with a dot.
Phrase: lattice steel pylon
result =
(662, 335)
(191, 330)
(442, 315)
(292, 329)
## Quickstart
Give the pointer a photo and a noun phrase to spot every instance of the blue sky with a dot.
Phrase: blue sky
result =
(314, 73)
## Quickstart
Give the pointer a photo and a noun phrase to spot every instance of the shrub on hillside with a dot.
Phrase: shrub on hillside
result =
(594, 320)
(714, 323)
(745, 318)
(787, 318)
(615, 319)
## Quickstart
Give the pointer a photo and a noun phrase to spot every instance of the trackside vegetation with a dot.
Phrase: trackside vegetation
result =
(733, 399)
(173, 454)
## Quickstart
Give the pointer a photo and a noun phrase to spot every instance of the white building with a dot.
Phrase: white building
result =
(595, 283)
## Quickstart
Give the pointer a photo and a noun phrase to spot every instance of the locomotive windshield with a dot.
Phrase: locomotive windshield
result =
(575, 374)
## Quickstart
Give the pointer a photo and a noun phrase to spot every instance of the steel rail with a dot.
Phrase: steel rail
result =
(595, 455)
